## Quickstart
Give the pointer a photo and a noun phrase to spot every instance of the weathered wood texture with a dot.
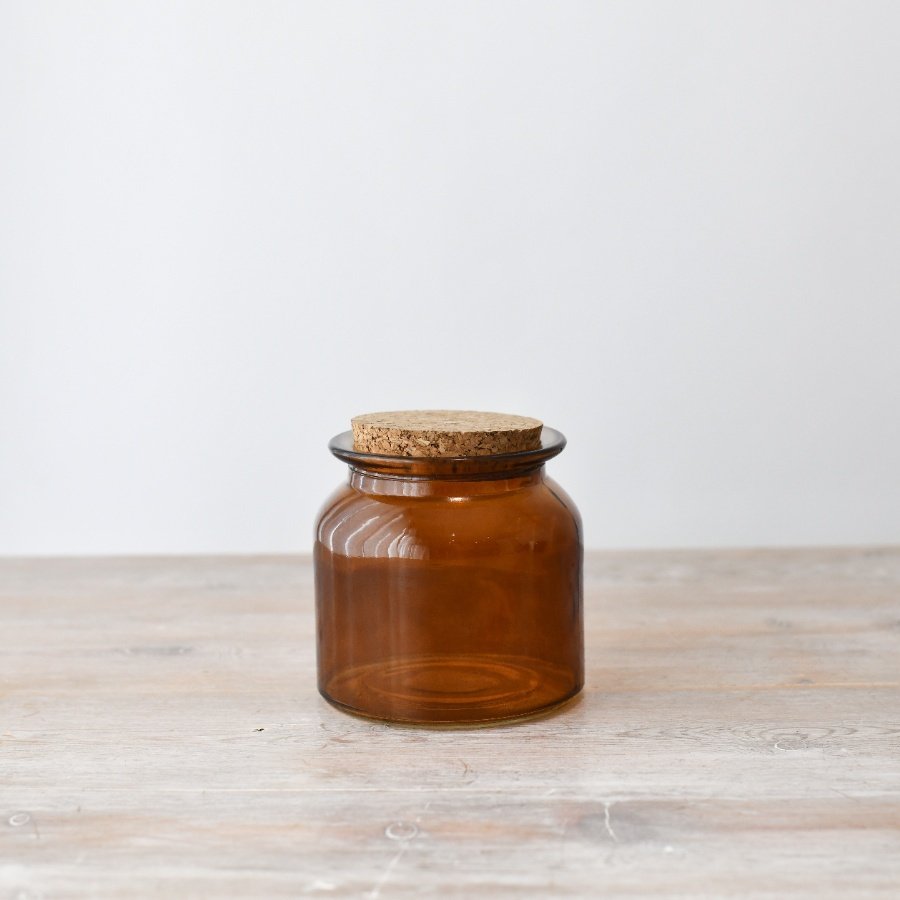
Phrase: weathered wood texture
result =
(160, 733)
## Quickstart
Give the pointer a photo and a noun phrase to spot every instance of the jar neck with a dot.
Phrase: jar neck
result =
(446, 476)
(368, 481)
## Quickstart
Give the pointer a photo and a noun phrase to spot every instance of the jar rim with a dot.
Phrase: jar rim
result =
(489, 465)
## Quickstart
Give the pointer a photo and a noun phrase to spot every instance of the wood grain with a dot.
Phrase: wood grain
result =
(160, 734)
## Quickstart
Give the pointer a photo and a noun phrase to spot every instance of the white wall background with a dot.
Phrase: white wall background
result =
(670, 229)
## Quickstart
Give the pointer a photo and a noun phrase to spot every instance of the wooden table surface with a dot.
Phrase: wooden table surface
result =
(739, 735)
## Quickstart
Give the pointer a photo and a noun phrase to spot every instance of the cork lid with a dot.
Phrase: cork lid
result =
(444, 432)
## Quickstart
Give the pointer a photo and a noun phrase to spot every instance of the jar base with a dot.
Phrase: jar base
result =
(452, 690)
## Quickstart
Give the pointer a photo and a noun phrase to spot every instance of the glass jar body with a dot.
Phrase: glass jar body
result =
(449, 600)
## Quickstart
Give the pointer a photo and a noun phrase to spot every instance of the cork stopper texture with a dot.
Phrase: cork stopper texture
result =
(444, 432)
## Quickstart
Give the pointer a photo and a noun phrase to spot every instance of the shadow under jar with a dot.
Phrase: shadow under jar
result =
(449, 590)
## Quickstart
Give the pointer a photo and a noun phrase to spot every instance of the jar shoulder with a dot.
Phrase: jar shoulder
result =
(560, 495)
(361, 524)
(336, 508)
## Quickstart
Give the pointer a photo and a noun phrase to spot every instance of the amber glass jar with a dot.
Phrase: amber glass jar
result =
(449, 590)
